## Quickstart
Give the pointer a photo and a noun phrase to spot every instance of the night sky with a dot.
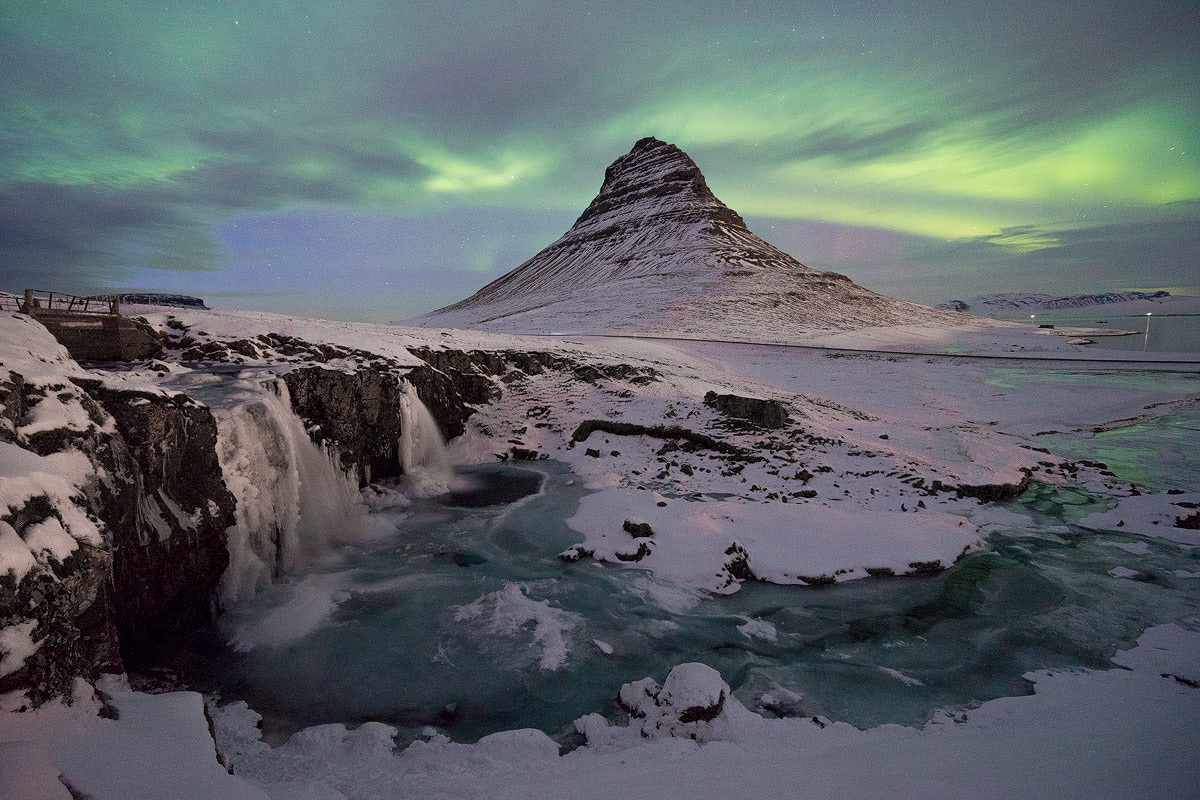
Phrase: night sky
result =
(373, 160)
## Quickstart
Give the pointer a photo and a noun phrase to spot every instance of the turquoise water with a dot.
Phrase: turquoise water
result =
(462, 617)
(1162, 453)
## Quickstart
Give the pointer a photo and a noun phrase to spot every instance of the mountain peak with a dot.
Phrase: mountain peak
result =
(657, 252)
(658, 177)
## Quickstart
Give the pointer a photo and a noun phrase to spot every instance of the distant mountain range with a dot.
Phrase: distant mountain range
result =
(1020, 304)
(657, 253)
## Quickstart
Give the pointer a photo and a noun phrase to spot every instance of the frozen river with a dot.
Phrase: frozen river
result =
(457, 613)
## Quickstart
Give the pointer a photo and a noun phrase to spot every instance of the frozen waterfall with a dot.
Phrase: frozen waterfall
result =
(294, 504)
(423, 454)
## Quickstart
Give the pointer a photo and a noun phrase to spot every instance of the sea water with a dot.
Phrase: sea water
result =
(458, 614)
(1153, 334)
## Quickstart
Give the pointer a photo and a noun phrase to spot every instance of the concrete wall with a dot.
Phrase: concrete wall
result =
(100, 337)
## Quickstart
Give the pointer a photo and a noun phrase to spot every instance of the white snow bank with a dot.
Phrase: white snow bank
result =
(27, 348)
(157, 747)
(24, 476)
(1152, 515)
(16, 644)
(1127, 732)
(695, 541)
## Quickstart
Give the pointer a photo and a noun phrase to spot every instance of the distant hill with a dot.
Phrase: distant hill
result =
(656, 252)
(1112, 303)
(153, 299)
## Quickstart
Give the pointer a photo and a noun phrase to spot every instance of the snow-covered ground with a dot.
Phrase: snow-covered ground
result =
(863, 477)
(1128, 732)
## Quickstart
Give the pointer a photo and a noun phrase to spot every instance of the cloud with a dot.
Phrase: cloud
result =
(77, 238)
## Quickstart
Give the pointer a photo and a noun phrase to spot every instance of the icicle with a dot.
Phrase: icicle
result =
(294, 504)
(422, 448)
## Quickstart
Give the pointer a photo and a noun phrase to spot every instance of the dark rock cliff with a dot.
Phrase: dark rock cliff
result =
(67, 600)
(360, 413)
(159, 502)
(169, 522)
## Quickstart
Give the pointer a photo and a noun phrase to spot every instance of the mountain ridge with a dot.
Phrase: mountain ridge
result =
(1019, 303)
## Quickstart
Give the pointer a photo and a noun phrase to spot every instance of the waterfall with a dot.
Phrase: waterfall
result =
(294, 504)
(423, 454)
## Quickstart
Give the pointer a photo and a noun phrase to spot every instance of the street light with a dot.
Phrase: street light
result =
(1146, 340)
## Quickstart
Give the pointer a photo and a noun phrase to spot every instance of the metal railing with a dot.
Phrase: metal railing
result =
(38, 301)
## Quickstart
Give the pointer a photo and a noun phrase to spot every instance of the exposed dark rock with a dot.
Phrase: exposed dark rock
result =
(738, 567)
(644, 547)
(359, 413)
(155, 571)
(637, 529)
(472, 372)
(1189, 682)
(440, 394)
(991, 492)
(703, 713)
(588, 427)
(164, 585)
(764, 413)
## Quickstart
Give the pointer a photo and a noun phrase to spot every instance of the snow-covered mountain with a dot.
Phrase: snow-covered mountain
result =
(1014, 304)
(656, 252)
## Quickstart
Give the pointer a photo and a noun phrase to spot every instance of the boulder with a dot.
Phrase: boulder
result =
(764, 413)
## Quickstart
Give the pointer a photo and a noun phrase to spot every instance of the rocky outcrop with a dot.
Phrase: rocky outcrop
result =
(59, 595)
(692, 697)
(668, 432)
(360, 414)
(168, 517)
(764, 413)
(114, 531)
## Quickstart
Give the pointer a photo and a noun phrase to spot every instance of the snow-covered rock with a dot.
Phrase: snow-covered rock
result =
(694, 702)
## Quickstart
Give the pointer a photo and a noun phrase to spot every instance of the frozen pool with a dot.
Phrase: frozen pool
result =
(458, 614)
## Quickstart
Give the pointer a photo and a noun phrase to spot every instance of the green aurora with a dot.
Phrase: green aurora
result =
(387, 158)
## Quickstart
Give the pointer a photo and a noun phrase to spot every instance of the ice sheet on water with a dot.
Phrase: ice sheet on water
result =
(508, 612)
(286, 612)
